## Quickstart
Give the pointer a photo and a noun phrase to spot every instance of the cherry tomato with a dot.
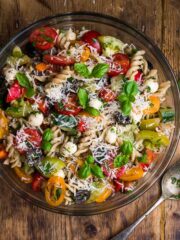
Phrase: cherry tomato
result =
(33, 136)
(58, 60)
(43, 38)
(144, 166)
(22, 175)
(70, 107)
(42, 105)
(37, 182)
(90, 37)
(151, 156)
(104, 195)
(81, 126)
(119, 186)
(132, 174)
(120, 64)
(55, 191)
(3, 124)
(107, 95)
(15, 92)
(138, 77)
(3, 153)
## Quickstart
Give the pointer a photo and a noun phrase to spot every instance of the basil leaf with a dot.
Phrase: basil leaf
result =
(99, 70)
(83, 97)
(123, 97)
(46, 146)
(143, 159)
(127, 148)
(23, 80)
(84, 171)
(120, 160)
(131, 88)
(82, 69)
(126, 107)
(48, 134)
(97, 171)
(90, 159)
(65, 121)
(29, 92)
(92, 111)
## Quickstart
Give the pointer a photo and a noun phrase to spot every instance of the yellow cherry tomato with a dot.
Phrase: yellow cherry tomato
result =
(3, 124)
(85, 54)
(55, 191)
(22, 175)
(132, 174)
(104, 195)
(155, 102)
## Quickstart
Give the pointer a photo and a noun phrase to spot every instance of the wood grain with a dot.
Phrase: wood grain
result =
(159, 19)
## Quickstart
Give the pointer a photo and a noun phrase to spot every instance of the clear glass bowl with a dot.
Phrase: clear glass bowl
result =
(109, 26)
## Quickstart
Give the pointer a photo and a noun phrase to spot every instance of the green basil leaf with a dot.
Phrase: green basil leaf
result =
(99, 70)
(123, 97)
(46, 146)
(131, 88)
(127, 148)
(82, 69)
(97, 171)
(126, 107)
(120, 160)
(48, 134)
(90, 159)
(29, 92)
(23, 80)
(92, 111)
(84, 171)
(65, 121)
(143, 159)
(83, 97)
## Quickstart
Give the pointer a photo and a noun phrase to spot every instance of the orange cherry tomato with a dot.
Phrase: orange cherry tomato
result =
(3, 153)
(155, 102)
(104, 195)
(85, 54)
(41, 67)
(151, 156)
(132, 174)
(55, 191)
(22, 175)
(3, 124)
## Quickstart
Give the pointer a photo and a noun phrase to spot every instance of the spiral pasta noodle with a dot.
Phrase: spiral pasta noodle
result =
(137, 63)
(161, 93)
(65, 39)
(14, 158)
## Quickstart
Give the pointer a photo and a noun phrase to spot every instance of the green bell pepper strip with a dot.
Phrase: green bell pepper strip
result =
(150, 124)
(154, 137)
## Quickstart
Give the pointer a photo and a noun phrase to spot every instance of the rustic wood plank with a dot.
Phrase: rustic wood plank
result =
(19, 219)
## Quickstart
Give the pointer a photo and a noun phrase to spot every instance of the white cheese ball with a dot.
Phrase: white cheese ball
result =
(152, 85)
(95, 103)
(69, 149)
(10, 74)
(36, 119)
(111, 135)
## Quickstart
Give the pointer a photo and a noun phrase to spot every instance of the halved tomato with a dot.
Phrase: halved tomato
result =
(107, 95)
(58, 60)
(90, 37)
(119, 65)
(15, 92)
(43, 38)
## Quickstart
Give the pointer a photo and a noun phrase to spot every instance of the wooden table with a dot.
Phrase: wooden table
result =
(159, 19)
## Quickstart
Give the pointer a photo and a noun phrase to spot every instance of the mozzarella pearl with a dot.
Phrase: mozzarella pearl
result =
(111, 135)
(153, 85)
(69, 149)
(36, 119)
(95, 103)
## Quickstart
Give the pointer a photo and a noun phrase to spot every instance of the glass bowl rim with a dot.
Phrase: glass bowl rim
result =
(35, 202)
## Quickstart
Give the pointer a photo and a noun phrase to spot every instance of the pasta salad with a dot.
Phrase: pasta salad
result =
(82, 115)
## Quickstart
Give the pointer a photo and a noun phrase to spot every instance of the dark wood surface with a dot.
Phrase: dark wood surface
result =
(19, 220)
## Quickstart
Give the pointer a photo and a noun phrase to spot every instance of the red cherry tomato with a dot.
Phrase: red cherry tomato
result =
(107, 95)
(120, 64)
(138, 77)
(58, 60)
(81, 126)
(70, 107)
(42, 105)
(37, 182)
(43, 38)
(15, 92)
(144, 166)
(119, 186)
(33, 136)
(90, 37)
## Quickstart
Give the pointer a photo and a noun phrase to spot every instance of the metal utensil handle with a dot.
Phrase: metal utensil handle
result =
(126, 232)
